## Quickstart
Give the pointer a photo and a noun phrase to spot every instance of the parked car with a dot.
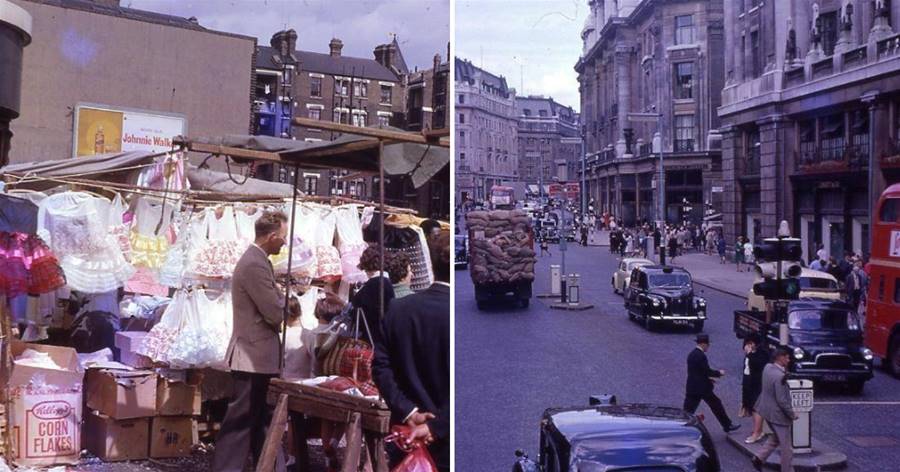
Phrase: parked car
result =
(826, 339)
(628, 437)
(461, 245)
(658, 295)
(622, 275)
(813, 284)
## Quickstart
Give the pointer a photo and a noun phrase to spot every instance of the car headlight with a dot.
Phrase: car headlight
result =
(867, 354)
(798, 353)
(701, 303)
(656, 302)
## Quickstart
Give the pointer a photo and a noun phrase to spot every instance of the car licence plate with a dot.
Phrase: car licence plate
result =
(681, 322)
(834, 378)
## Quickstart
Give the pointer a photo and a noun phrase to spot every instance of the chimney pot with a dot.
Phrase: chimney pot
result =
(335, 47)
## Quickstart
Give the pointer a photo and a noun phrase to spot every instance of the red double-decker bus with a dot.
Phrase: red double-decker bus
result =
(882, 326)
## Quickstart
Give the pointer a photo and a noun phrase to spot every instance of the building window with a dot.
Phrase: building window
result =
(755, 55)
(527, 112)
(462, 138)
(360, 89)
(832, 137)
(311, 184)
(462, 99)
(462, 156)
(341, 116)
(684, 133)
(359, 119)
(314, 113)
(386, 94)
(684, 80)
(829, 31)
(684, 29)
(342, 87)
(542, 113)
(315, 87)
(384, 120)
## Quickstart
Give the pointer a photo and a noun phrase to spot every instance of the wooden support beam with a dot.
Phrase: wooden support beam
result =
(354, 444)
(400, 136)
(273, 439)
(233, 152)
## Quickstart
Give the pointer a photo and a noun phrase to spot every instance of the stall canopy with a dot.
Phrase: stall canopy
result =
(120, 167)
(421, 161)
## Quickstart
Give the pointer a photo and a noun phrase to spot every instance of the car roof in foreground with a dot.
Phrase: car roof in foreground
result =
(667, 269)
(618, 435)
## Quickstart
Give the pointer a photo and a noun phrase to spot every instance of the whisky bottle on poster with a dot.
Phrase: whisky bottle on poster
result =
(99, 141)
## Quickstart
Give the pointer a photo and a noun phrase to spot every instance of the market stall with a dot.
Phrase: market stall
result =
(167, 234)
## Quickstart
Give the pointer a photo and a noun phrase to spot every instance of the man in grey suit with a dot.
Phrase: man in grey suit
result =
(774, 405)
(253, 352)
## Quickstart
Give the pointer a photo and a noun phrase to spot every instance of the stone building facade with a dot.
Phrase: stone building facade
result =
(486, 132)
(810, 118)
(650, 77)
(102, 53)
(549, 142)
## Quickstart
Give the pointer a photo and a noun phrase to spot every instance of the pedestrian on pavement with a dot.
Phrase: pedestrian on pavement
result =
(412, 358)
(545, 247)
(854, 286)
(739, 253)
(254, 349)
(673, 247)
(699, 384)
(774, 405)
(755, 360)
(720, 246)
(584, 235)
(748, 254)
(822, 254)
(818, 264)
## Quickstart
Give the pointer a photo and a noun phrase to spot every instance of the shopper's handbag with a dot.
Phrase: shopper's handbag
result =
(417, 459)
(352, 357)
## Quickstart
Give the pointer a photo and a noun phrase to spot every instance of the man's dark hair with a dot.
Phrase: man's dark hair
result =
(328, 308)
(370, 261)
(397, 266)
(429, 225)
(269, 222)
(439, 247)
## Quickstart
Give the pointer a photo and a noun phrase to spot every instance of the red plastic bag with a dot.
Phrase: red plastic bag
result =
(417, 459)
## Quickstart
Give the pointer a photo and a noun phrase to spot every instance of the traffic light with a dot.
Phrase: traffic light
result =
(774, 289)
(778, 249)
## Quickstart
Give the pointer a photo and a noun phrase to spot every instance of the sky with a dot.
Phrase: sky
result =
(533, 43)
(422, 26)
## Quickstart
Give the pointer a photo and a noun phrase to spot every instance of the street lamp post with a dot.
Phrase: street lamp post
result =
(583, 170)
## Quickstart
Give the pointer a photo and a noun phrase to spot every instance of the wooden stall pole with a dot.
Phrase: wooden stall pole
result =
(273, 439)
(354, 443)
(287, 286)
(380, 231)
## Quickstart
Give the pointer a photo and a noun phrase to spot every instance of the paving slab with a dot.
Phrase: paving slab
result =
(821, 458)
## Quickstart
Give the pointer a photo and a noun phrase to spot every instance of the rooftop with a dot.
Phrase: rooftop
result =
(469, 73)
(328, 64)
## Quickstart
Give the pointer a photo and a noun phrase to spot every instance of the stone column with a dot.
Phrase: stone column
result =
(880, 139)
(771, 173)
(623, 78)
(731, 195)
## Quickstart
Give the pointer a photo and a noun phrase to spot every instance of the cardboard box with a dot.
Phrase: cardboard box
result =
(116, 440)
(174, 398)
(45, 413)
(121, 394)
(172, 436)
(127, 342)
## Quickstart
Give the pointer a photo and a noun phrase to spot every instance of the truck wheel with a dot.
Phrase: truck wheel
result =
(892, 362)
(697, 326)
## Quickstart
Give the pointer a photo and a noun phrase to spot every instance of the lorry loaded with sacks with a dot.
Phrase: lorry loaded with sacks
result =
(501, 256)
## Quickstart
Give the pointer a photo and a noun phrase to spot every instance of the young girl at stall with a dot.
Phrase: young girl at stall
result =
(328, 308)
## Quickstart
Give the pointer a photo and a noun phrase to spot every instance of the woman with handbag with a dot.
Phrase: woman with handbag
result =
(368, 297)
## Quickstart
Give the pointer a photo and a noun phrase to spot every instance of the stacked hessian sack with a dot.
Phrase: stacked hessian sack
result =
(500, 247)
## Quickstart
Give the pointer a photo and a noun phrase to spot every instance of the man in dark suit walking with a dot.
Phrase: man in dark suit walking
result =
(412, 360)
(253, 352)
(700, 385)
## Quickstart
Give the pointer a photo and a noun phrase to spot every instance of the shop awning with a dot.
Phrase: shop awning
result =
(420, 161)
(114, 167)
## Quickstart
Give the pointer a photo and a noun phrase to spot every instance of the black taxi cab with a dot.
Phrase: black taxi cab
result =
(612, 437)
(664, 295)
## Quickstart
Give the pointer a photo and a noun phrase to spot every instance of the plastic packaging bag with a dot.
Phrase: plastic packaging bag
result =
(417, 459)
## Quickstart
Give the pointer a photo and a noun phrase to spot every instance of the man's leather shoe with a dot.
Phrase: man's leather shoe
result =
(757, 463)
(732, 428)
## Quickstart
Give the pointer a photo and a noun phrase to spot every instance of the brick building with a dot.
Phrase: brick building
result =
(810, 118)
(649, 77)
(122, 58)
(548, 142)
(332, 87)
(486, 131)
